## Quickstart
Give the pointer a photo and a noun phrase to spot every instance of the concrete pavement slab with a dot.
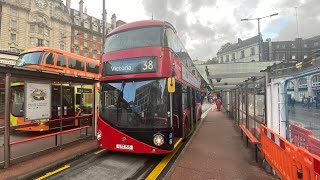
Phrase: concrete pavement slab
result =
(217, 152)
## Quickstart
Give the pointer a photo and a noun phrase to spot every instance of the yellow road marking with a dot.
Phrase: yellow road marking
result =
(159, 168)
(54, 172)
(177, 143)
(100, 151)
(207, 111)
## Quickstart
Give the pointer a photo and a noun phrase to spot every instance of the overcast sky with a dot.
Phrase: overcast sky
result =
(205, 25)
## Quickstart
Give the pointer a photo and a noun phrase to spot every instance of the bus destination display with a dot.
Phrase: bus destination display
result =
(130, 66)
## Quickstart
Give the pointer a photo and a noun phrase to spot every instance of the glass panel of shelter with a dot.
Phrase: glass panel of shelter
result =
(243, 106)
(251, 107)
(303, 112)
(23, 128)
(260, 116)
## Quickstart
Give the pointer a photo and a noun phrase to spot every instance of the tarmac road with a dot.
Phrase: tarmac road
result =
(108, 165)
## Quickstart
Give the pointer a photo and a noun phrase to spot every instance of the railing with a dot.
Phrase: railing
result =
(24, 148)
(49, 121)
(289, 161)
(29, 147)
(302, 137)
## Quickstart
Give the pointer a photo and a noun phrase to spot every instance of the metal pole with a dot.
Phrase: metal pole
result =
(93, 109)
(247, 107)
(242, 105)
(259, 34)
(61, 113)
(238, 106)
(103, 24)
(231, 104)
(284, 121)
(7, 121)
(265, 97)
(171, 115)
(254, 111)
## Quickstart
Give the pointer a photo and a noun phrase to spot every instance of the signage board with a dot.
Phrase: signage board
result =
(84, 90)
(146, 64)
(37, 101)
(189, 77)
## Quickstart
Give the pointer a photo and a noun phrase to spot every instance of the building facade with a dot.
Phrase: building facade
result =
(86, 31)
(242, 51)
(29, 23)
(305, 87)
(25, 24)
(293, 51)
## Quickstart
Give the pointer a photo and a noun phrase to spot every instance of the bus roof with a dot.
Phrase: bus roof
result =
(143, 23)
(82, 58)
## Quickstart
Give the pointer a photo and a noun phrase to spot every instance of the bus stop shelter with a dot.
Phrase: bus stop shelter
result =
(18, 144)
(242, 89)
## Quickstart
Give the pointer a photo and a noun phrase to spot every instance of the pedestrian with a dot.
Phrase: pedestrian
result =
(316, 101)
(309, 101)
(218, 104)
(293, 101)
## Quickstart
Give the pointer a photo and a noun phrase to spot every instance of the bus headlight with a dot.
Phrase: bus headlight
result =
(99, 135)
(158, 140)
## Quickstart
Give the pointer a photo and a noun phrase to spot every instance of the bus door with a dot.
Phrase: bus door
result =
(67, 104)
(192, 106)
(83, 103)
(177, 111)
(185, 91)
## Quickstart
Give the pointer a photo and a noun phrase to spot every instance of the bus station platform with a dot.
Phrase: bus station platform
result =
(42, 162)
(216, 151)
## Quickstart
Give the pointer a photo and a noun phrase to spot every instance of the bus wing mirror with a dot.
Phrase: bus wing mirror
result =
(171, 85)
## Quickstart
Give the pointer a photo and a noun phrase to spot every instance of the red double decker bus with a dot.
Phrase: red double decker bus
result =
(135, 108)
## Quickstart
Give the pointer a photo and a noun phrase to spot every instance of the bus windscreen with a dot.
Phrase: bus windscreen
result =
(135, 104)
(135, 38)
(29, 59)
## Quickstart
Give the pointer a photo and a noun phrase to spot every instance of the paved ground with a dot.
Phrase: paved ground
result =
(49, 159)
(217, 152)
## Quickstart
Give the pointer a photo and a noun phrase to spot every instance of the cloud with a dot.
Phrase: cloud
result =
(308, 23)
(203, 36)
(196, 5)
(204, 25)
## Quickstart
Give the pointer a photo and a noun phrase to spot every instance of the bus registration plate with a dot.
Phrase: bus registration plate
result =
(124, 146)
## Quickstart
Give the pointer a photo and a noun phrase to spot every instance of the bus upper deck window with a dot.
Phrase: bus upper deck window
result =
(48, 59)
(92, 68)
(61, 61)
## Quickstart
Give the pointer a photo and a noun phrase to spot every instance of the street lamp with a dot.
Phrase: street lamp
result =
(259, 34)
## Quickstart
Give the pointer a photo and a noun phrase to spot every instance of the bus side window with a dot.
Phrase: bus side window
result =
(61, 61)
(72, 63)
(79, 65)
(48, 59)
(92, 68)
(76, 64)
(185, 103)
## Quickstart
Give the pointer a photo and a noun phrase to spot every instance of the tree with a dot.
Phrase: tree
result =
(225, 46)
(213, 60)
